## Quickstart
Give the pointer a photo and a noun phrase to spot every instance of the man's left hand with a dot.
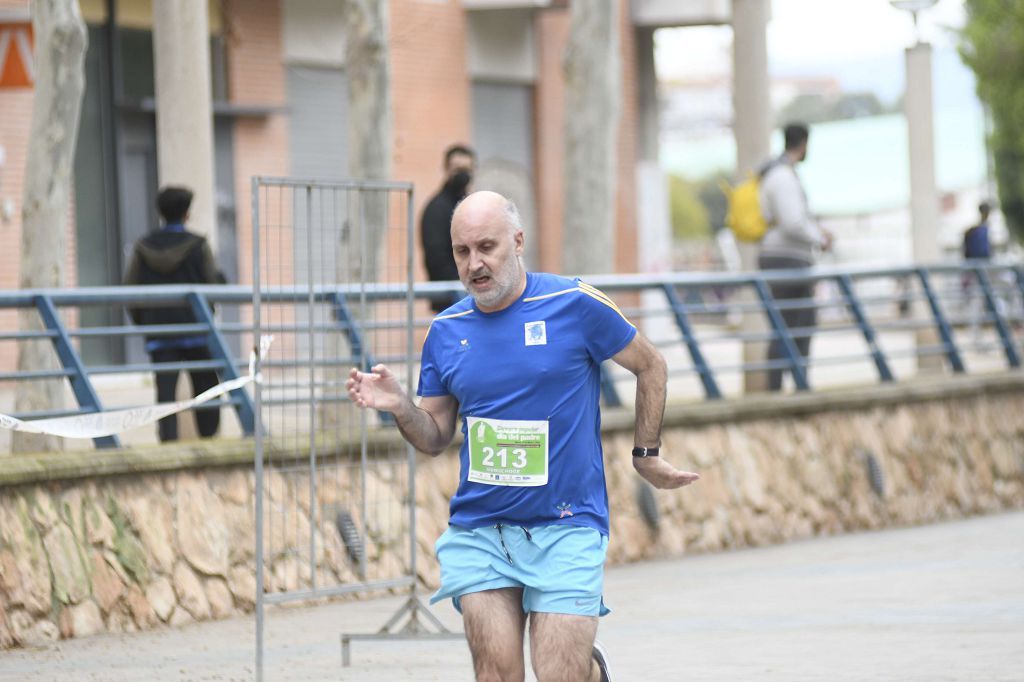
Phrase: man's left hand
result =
(661, 474)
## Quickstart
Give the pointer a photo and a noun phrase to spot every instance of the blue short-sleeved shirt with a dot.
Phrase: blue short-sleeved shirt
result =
(504, 365)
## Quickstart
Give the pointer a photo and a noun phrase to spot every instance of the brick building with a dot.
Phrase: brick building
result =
(485, 72)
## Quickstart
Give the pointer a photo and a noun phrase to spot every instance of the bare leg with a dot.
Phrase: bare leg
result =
(494, 622)
(561, 647)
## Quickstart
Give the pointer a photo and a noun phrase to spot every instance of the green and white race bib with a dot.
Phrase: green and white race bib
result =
(507, 451)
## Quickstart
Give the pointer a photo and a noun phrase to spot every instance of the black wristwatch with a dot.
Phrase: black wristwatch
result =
(645, 452)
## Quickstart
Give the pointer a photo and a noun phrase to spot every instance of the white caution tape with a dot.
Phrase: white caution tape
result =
(99, 424)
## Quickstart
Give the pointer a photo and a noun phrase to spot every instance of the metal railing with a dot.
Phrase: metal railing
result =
(959, 317)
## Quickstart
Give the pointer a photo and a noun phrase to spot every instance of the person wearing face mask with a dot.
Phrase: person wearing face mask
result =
(436, 221)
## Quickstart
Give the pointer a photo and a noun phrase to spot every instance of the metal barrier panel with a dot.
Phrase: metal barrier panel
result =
(332, 496)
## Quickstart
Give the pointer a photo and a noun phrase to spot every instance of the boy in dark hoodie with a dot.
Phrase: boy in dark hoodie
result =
(173, 255)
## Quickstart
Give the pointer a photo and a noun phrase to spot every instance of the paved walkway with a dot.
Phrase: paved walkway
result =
(940, 602)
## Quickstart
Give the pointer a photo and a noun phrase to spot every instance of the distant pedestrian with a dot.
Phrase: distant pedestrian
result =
(976, 238)
(792, 241)
(173, 255)
(436, 222)
(976, 246)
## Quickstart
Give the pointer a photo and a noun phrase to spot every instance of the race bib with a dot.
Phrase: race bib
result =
(507, 451)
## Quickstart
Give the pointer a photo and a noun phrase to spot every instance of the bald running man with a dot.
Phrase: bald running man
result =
(516, 364)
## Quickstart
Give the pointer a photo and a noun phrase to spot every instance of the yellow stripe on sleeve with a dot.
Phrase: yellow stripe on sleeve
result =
(443, 317)
(608, 303)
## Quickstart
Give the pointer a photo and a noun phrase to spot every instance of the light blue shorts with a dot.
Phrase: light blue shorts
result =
(559, 567)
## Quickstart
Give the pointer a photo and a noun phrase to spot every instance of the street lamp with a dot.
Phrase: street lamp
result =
(913, 6)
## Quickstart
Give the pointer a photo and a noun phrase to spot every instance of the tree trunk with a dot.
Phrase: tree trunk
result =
(60, 44)
(369, 131)
(593, 82)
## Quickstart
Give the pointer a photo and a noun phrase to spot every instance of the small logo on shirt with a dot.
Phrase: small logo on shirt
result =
(564, 509)
(536, 333)
(463, 345)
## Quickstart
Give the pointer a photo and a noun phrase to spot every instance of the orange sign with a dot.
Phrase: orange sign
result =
(17, 69)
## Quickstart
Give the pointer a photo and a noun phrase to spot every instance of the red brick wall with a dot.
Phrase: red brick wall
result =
(256, 76)
(552, 36)
(430, 96)
(625, 204)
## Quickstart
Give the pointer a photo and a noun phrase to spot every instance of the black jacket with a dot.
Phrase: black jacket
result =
(167, 257)
(436, 234)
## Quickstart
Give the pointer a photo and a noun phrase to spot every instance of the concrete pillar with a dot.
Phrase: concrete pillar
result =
(184, 114)
(924, 197)
(654, 225)
(752, 128)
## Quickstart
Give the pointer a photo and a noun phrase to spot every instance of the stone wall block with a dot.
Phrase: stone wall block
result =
(120, 619)
(81, 620)
(160, 595)
(277, 488)
(99, 530)
(70, 578)
(242, 584)
(236, 488)
(219, 597)
(26, 571)
(1006, 464)
(428, 571)
(240, 522)
(31, 632)
(191, 595)
(71, 505)
(7, 639)
(818, 478)
(286, 574)
(286, 529)
(671, 537)
(334, 555)
(128, 548)
(107, 586)
(387, 510)
(43, 509)
(142, 612)
(180, 617)
(115, 565)
(152, 518)
(202, 531)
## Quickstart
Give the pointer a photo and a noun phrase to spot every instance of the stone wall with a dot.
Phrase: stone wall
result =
(139, 539)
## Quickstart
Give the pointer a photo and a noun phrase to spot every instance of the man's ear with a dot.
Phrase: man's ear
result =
(520, 241)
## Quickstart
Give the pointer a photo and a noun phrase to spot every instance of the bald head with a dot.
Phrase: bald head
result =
(487, 207)
(487, 242)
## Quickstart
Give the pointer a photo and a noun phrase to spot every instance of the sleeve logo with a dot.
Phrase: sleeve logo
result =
(536, 333)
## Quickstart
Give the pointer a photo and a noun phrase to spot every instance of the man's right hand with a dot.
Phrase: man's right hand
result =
(378, 389)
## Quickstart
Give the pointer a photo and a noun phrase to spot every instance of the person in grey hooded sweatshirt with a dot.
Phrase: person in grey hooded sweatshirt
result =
(792, 241)
(173, 255)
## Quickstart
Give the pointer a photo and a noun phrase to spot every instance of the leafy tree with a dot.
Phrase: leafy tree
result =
(689, 216)
(992, 45)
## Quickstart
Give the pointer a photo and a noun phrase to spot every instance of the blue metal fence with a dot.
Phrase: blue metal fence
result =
(699, 310)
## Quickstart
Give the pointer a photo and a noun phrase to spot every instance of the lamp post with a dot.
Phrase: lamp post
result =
(924, 199)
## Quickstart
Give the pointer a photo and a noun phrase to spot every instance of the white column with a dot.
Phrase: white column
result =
(654, 228)
(924, 198)
(752, 128)
(924, 201)
(184, 121)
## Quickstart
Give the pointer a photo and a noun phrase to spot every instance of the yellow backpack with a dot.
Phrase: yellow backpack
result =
(744, 216)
